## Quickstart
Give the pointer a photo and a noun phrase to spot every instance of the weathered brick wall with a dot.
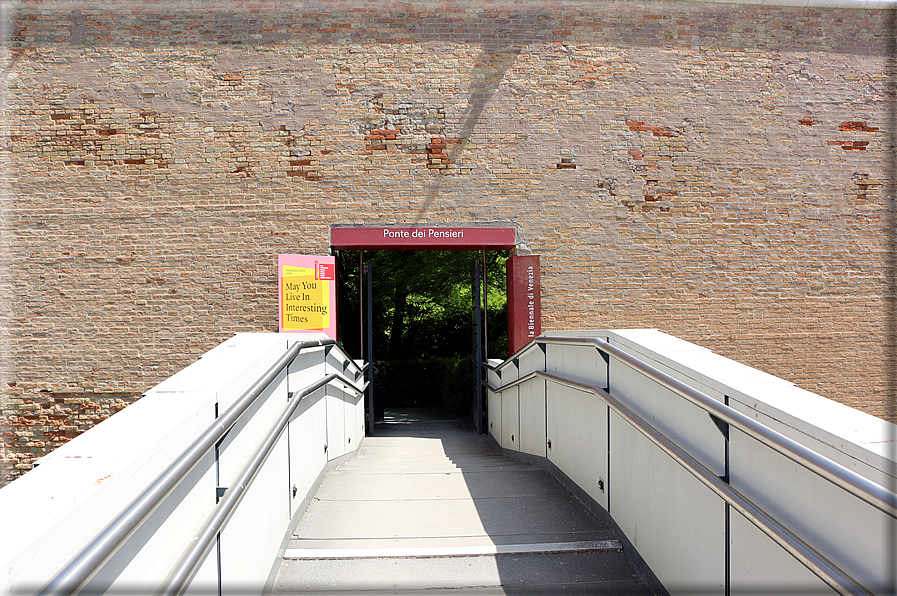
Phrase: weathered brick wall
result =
(720, 172)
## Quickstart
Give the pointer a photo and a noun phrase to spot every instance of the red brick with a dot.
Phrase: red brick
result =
(135, 249)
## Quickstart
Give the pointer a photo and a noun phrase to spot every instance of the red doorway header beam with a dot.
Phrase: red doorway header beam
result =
(422, 238)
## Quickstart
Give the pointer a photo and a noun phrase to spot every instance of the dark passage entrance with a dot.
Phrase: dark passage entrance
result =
(423, 322)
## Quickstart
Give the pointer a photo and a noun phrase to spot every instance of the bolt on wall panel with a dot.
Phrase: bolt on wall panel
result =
(354, 434)
(506, 425)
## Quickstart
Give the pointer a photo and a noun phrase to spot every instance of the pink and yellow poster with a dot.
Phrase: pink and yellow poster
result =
(307, 294)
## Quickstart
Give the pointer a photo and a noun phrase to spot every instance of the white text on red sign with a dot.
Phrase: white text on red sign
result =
(422, 233)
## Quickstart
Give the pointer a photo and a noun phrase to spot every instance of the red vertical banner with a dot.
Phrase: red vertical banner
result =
(524, 301)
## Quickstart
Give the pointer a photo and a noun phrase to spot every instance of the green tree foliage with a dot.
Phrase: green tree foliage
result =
(422, 303)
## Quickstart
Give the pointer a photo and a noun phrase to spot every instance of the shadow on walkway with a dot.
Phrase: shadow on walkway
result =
(428, 504)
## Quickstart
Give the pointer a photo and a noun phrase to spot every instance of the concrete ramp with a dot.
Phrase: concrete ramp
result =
(428, 505)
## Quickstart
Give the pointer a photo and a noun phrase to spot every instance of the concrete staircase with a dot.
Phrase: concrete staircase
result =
(427, 505)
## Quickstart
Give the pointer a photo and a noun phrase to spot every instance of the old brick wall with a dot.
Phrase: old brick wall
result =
(720, 172)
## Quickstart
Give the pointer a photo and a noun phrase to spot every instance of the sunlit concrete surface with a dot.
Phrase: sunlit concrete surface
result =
(428, 504)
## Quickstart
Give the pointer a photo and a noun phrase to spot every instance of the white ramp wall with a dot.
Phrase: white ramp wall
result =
(693, 541)
(52, 512)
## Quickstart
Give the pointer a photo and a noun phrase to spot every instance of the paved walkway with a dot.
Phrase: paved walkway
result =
(427, 504)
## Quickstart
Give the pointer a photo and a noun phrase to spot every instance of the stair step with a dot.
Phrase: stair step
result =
(540, 574)
(453, 551)
(412, 515)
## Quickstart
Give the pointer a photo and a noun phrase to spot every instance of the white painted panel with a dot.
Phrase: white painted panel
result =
(336, 423)
(533, 359)
(760, 567)
(307, 368)
(853, 535)
(149, 552)
(493, 404)
(251, 429)
(508, 410)
(339, 420)
(685, 423)
(510, 430)
(228, 368)
(246, 373)
(251, 539)
(104, 469)
(692, 364)
(582, 363)
(509, 373)
(684, 361)
(494, 407)
(492, 374)
(336, 362)
(532, 417)
(675, 523)
(126, 452)
(308, 435)
(359, 417)
(856, 440)
(258, 523)
(352, 433)
(577, 428)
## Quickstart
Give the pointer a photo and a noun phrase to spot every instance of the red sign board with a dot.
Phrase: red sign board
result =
(524, 301)
(422, 238)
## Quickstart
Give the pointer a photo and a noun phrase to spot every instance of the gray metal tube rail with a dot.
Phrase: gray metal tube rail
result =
(863, 488)
(868, 491)
(187, 566)
(827, 571)
(86, 563)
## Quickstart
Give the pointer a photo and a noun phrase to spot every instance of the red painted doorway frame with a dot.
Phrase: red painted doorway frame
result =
(523, 278)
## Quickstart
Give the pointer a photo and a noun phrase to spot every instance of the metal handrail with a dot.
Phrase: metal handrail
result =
(514, 383)
(827, 571)
(526, 347)
(184, 571)
(859, 486)
(88, 561)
